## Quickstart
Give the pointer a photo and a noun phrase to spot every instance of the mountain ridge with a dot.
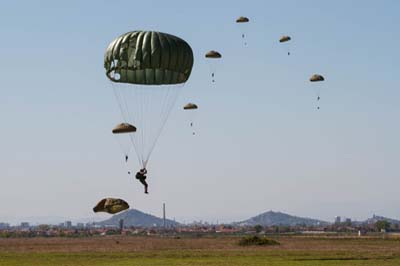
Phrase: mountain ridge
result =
(271, 218)
(134, 217)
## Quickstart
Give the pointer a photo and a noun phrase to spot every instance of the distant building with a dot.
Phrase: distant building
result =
(4, 226)
(24, 225)
(80, 225)
(68, 224)
(348, 221)
(338, 220)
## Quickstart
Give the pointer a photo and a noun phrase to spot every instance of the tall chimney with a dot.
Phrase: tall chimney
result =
(164, 216)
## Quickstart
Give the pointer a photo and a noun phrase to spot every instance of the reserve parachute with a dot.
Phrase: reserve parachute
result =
(147, 70)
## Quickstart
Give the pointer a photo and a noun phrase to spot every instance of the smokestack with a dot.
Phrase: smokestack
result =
(121, 225)
(164, 215)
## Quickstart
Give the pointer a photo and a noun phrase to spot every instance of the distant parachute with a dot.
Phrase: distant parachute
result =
(212, 55)
(111, 206)
(124, 128)
(243, 21)
(191, 108)
(122, 134)
(147, 70)
(285, 40)
(317, 78)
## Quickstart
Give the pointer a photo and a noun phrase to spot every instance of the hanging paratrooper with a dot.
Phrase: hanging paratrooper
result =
(317, 88)
(147, 70)
(213, 57)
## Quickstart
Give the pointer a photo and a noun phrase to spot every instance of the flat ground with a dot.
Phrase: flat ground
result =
(221, 251)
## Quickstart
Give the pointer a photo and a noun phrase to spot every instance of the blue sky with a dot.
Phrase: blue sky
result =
(261, 144)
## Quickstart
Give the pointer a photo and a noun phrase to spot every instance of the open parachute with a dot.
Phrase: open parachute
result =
(147, 70)
(190, 106)
(243, 21)
(191, 109)
(285, 41)
(317, 78)
(111, 205)
(213, 55)
(123, 135)
(123, 128)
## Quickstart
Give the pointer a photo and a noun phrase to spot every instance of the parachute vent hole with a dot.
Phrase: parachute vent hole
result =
(117, 76)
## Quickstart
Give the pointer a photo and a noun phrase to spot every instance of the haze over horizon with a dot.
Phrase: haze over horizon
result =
(260, 144)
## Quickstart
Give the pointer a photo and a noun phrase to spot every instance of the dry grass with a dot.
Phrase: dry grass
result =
(123, 250)
(140, 244)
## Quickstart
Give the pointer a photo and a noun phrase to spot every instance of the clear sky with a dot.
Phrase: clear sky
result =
(260, 144)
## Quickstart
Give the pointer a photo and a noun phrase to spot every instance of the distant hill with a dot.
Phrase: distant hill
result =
(271, 218)
(137, 218)
(376, 218)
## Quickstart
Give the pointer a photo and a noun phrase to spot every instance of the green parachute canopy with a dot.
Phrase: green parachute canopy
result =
(149, 58)
(316, 78)
(213, 54)
(147, 70)
(190, 106)
(285, 39)
(242, 20)
(123, 128)
(111, 205)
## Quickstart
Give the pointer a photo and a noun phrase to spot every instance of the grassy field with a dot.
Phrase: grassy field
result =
(223, 251)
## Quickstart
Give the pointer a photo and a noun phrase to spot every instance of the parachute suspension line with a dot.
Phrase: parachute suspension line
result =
(162, 101)
(118, 98)
(168, 103)
(288, 48)
(140, 97)
(191, 117)
(132, 118)
(244, 39)
(318, 96)
(142, 119)
(123, 107)
(148, 109)
(137, 117)
(213, 69)
(146, 126)
(123, 149)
